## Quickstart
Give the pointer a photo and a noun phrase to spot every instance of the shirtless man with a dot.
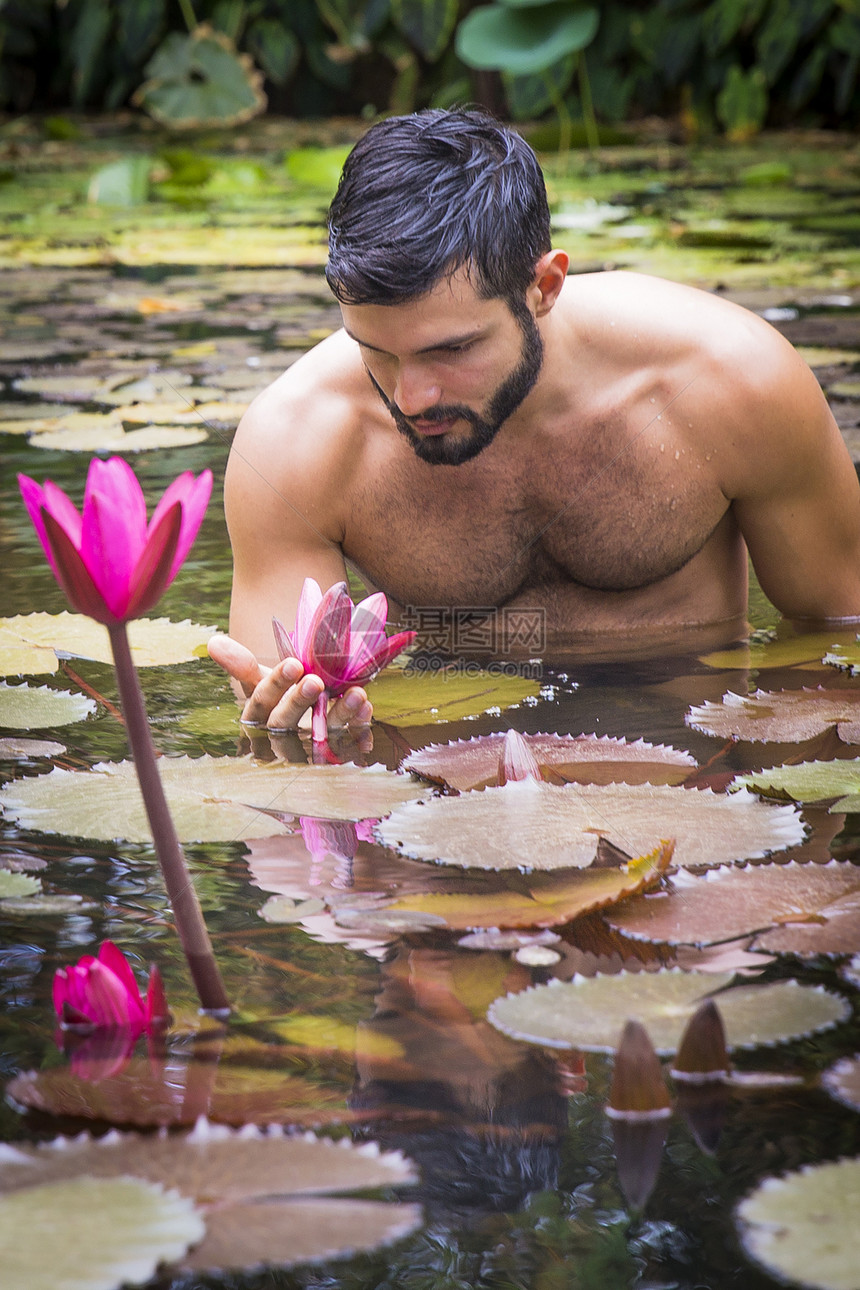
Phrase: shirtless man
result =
(486, 431)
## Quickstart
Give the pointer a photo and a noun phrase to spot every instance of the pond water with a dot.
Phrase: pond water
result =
(343, 1026)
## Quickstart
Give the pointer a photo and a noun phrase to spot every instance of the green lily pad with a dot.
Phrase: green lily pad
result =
(112, 438)
(810, 909)
(589, 1012)
(94, 1232)
(802, 1227)
(29, 641)
(18, 884)
(50, 905)
(530, 825)
(27, 707)
(199, 79)
(781, 716)
(212, 799)
(266, 1197)
(810, 781)
(408, 698)
(845, 657)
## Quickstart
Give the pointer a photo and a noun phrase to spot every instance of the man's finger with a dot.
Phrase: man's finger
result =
(352, 709)
(236, 660)
(268, 698)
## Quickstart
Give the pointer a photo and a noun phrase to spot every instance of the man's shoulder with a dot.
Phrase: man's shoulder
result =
(324, 388)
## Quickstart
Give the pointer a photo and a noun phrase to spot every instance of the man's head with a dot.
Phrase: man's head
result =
(422, 196)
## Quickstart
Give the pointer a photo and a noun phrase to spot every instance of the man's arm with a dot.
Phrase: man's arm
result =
(281, 493)
(793, 487)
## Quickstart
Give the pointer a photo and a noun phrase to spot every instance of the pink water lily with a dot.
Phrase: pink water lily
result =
(341, 643)
(111, 564)
(102, 993)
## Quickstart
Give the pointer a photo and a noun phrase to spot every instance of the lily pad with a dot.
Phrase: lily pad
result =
(32, 639)
(842, 1081)
(212, 799)
(17, 884)
(48, 904)
(846, 657)
(781, 716)
(94, 1232)
(549, 900)
(112, 438)
(145, 1094)
(810, 781)
(255, 1189)
(21, 749)
(802, 1227)
(27, 707)
(413, 698)
(802, 652)
(810, 908)
(589, 1012)
(586, 759)
(529, 825)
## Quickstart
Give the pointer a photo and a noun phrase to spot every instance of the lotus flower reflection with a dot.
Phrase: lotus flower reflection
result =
(102, 993)
(109, 562)
(341, 643)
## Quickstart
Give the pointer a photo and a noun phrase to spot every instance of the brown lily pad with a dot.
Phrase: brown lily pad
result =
(780, 716)
(585, 759)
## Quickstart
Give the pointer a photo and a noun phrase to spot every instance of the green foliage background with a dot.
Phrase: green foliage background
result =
(726, 65)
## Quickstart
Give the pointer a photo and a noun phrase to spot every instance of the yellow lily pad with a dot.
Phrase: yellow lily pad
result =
(29, 641)
(27, 707)
(415, 698)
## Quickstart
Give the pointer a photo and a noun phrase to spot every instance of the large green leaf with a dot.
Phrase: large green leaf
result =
(199, 80)
(27, 707)
(523, 41)
(415, 698)
(426, 24)
(810, 781)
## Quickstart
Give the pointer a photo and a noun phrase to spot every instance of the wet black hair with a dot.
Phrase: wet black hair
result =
(423, 195)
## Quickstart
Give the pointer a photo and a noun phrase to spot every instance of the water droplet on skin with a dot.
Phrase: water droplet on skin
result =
(662, 447)
(652, 400)
(677, 453)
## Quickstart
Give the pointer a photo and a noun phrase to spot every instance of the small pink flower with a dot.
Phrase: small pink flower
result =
(342, 643)
(109, 562)
(102, 994)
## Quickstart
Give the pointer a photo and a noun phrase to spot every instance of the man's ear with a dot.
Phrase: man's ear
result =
(550, 273)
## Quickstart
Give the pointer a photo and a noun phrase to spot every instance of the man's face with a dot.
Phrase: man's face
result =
(445, 450)
(450, 367)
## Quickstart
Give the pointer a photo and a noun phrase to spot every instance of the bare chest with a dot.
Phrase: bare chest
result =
(612, 516)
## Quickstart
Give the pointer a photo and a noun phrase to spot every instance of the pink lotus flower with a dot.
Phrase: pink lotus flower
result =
(342, 643)
(102, 993)
(110, 564)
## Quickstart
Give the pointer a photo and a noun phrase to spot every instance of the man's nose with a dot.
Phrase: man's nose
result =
(415, 390)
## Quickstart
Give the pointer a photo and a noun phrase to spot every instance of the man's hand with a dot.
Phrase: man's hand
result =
(279, 697)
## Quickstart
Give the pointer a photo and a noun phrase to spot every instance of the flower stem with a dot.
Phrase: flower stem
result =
(319, 719)
(183, 898)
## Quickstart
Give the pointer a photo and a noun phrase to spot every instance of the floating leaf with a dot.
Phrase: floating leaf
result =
(842, 1080)
(23, 749)
(48, 905)
(810, 781)
(155, 642)
(588, 1012)
(846, 657)
(413, 698)
(255, 1188)
(27, 707)
(283, 909)
(17, 884)
(212, 799)
(146, 1094)
(93, 1232)
(112, 438)
(549, 900)
(586, 759)
(802, 1227)
(528, 825)
(781, 716)
(199, 79)
(802, 652)
(813, 908)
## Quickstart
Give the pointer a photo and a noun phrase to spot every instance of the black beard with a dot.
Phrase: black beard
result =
(442, 450)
